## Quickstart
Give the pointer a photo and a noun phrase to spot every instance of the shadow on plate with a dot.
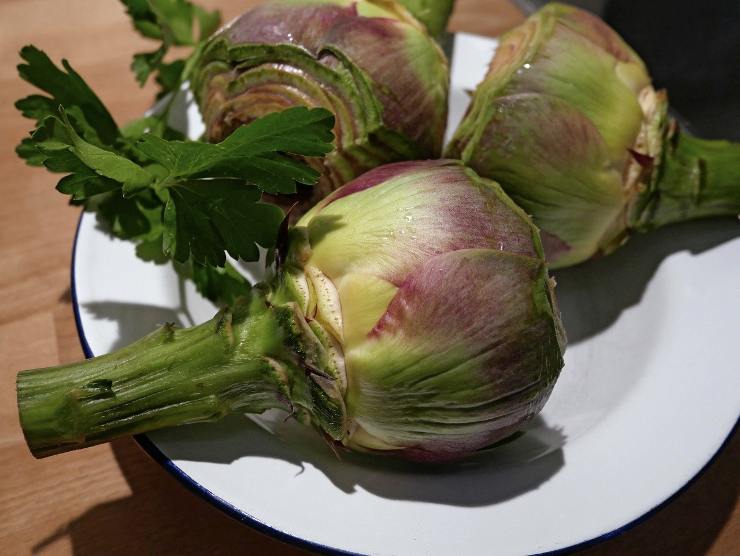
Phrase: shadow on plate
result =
(134, 320)
(488, 478)
(592, 295)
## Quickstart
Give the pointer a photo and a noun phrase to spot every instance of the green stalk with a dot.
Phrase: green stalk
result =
(698, 178)
(434, 14)
(171, 377)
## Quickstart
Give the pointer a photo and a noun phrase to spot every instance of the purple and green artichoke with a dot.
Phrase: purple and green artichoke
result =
(410, 313)
(369, 62)
(568, 122)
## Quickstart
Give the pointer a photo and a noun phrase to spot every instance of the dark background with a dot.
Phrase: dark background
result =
(692, 49)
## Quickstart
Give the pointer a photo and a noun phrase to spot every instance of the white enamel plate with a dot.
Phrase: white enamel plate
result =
(649, 393)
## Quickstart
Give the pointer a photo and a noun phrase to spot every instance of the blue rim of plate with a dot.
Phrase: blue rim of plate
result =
(232, 511)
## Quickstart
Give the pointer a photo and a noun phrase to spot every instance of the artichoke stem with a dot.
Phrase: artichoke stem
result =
(699, 178)
(434, 14)
(171, 377)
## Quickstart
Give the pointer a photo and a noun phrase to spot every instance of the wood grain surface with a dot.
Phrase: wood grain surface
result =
(112, 499)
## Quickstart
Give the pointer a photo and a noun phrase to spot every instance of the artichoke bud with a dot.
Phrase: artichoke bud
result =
(567, 121)
(428, 289)
(370, 62)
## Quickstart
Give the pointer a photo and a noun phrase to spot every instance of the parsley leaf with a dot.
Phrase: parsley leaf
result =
(65, 88)
(211, 193)
(143, 18)
(174, 23)
(204, 216)
(252, 151)
(137, 218)
(108, 164)
(85, 184)
(144, 63)
(65, 151)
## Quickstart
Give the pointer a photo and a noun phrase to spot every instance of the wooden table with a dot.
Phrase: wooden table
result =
(113, 499)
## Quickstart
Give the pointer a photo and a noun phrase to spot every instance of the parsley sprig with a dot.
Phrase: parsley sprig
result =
(186, 200)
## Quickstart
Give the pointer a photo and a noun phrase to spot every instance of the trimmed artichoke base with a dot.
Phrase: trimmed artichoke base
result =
(317, 296)
(639, 172)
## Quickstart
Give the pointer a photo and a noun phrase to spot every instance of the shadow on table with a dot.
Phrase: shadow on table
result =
(689, 524)
(158, 518)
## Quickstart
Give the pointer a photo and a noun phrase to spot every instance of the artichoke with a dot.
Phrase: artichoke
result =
(369, 62)
(410, 313)
(567, 121)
